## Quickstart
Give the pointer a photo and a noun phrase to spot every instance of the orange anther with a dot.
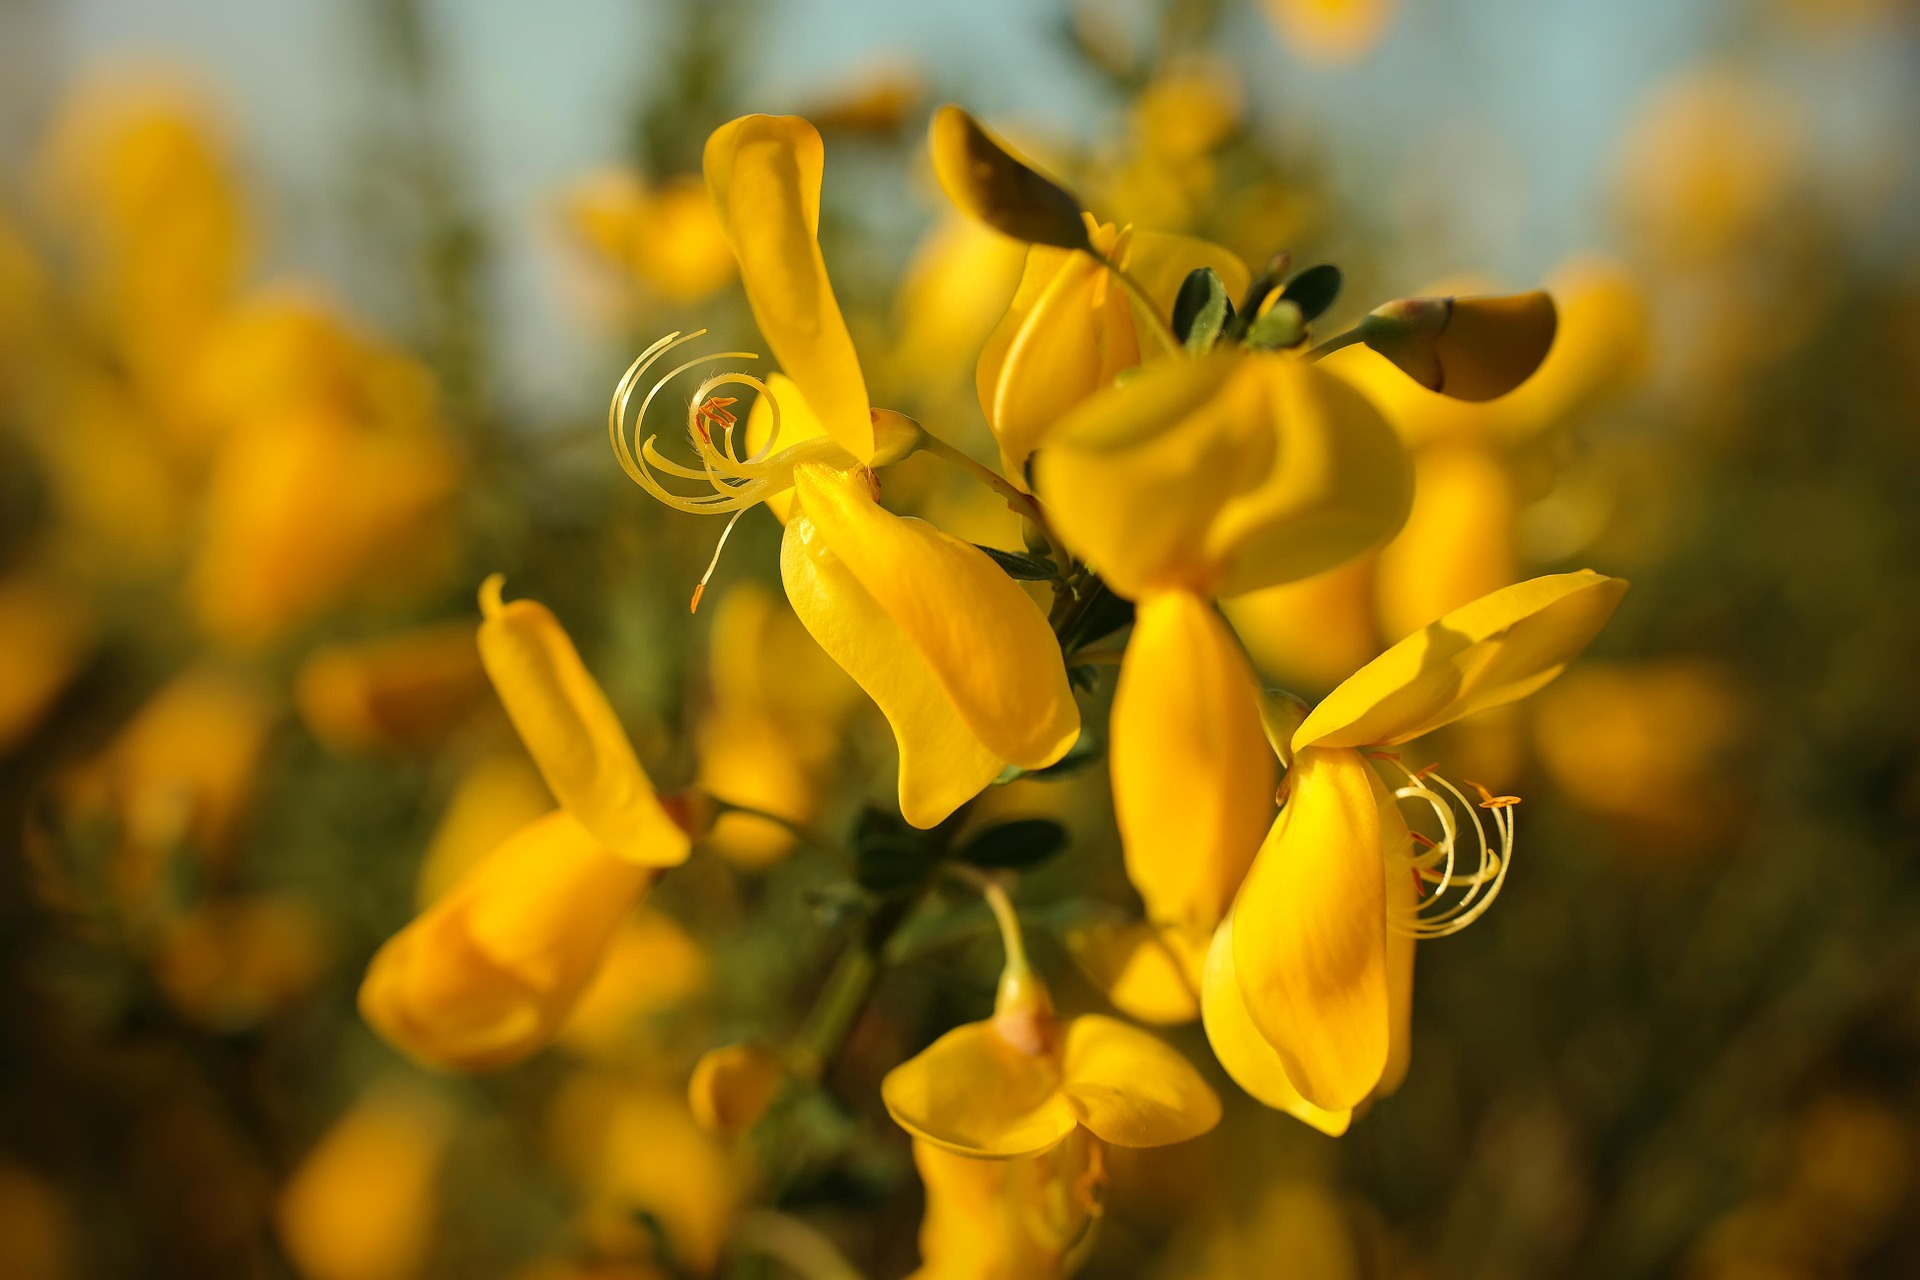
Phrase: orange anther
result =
(1488, 800)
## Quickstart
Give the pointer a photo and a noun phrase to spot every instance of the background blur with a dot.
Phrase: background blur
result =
(308, 313)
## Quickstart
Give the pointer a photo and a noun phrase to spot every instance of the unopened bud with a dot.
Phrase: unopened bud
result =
(1467, 348)
(733, 1086)
(983, 177)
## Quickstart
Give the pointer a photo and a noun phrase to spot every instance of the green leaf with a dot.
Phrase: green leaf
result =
(888, 853)
(1084, 676)
(1281, 326)
(1015, 845)
(1201, 311)
(1021, 566)
(1102, 615)
(1314, 290)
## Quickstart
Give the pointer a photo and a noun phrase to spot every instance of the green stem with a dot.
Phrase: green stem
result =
(1356, 334)
(847, 988)
(798, 830)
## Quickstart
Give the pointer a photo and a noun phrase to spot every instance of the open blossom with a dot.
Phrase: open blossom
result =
(490, 972)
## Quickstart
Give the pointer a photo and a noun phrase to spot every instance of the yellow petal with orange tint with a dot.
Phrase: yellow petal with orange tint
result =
(972, 1092)
(1131, 1088)
(1310, 932)
(1243, 1051)
(571, 732)
(1498, 649)
(1193, 776)
(764, 175)
(986, 642)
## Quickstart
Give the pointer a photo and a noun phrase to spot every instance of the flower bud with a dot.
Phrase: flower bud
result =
(733, 1086)
(1467, 348)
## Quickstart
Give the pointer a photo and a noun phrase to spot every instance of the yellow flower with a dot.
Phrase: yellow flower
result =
(234, 961)
(490, 972)
(652, 966)
(39, 1233)
(732, 1087)
(957, 656)
(1201, 478)
(1023, 1081)
(42, 640)
(1332, 32)
(1071, 327)
(664, 236)
(1025, 1218)
(403, 692)
(907, 610)
(363, 1204)
(495, 797)
(1309, 979)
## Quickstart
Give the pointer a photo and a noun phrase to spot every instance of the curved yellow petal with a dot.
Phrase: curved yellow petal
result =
(1403, 904)
(1132, 1089)
(984, 639)
(798, 422)
(1340, 485)
(1498, 649)
(764, 175)
(571, 732)
(1192, 773)
(1135, 476)
(1243, 1051)
(488, 974)
(972, 1092)
(732, 1087)
(1310, 932)
(1026, 1218)
(1150, 972)
(942, 763)
(1066, 336)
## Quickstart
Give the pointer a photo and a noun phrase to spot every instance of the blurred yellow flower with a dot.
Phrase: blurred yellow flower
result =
(364, 1204)
(1709, 160)
(635, 1153)
(732, 1087)
(1029, 1217)
(1333, 32)
(179, 776)
(399, 692)
(234, 961)
(1655, 745)
(38, 1233)
(490, 972)
(1292, 1219)
(955, 291)
(136, 173)
(43, 638)
(497, 795)
(1309, 980)
(1308, 635)
(664, 236)
(651, 966)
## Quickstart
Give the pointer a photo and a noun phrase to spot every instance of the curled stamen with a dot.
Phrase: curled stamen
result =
(1460, 874)
(736, 483)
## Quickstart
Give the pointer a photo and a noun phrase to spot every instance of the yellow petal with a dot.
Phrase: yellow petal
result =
(1403, 902)
(1065, 336)
(1310, 932)
(1243, 1051)
(972, 1092)
(798, 422)
(1223, 475)
(983, 638)
(984, 178)
(1150, 972)
(1341, 484)
(1025, 1218)
(399, 692)
(1132, 1089)
(488, 974)
(571, 731)
(733, 1086)
(1458, 541)
(1192, 774)
(942, 763)
(1498, 649)
(764, 175)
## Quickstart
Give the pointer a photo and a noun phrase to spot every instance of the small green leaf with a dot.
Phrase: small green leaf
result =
(889, 855)
(1102, 615)
(1314, 290)
(1022, 567)
(1281, 326)
(1016, 845)
(1085, 676)
(1201, 311)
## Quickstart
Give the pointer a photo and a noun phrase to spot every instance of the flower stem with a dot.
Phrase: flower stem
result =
(1161, 329)
(1356, 334)
(1018, 500)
